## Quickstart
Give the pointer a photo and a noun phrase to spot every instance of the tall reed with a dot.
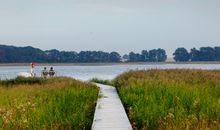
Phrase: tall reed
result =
(171, 99)
(55, 103)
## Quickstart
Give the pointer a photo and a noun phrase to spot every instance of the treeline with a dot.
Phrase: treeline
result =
(155, 55)
(12, 54)
(201, 54)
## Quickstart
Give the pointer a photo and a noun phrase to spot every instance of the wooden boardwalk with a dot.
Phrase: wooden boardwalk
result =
(110, 113)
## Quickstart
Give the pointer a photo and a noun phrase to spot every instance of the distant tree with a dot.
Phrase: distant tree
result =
(69, 57)
(207, 54)
(133, 57)
(96, 56)
(153, 55)
(194, 54)
(105, 57)
(12, 54)
(161, 55)
(217, 53)
(82, 56)
(157, 55)
(145, 56)
(125, 57)
(115, 57)
(181, 54)
(2, 54)
(140, 57)
(6, 56)
(53, 56)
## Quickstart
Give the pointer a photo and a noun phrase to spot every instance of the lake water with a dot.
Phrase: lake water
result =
(101, 72)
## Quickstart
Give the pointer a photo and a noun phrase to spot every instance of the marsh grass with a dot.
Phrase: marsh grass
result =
(21, 80)
(55, 103)
(101, 81)
(171, 99)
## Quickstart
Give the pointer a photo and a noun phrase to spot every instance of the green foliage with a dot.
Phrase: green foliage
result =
(12, 54)
(155, 55)
(55, 103)
(203, 54)
(207, 54)
(98, 56)
(134, 57)
(194, 55)
(114, 57)
(22, 80)
(171, 99)
(181, 54)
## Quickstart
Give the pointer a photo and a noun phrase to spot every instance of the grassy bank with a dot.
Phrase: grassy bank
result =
(101, 81)
(56, 103)
(171, 99)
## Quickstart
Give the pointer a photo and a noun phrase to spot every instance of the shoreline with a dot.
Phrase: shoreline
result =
(106, 64)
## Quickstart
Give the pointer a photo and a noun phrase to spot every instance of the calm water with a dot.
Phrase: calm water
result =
(102, 72)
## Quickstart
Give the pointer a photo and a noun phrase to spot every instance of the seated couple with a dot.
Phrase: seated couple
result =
(45, 73)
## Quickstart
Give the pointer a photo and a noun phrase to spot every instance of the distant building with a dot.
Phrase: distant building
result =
(170, 59)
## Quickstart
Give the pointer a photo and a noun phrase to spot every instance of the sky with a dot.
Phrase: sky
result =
(110, 25)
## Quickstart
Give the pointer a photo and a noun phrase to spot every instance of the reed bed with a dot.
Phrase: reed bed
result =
(101, 81)
(55, 103)
(171, 99)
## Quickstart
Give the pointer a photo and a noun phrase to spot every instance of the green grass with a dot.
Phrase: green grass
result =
(55, 103)
(171, 99)
(106, 82)
(22, 80)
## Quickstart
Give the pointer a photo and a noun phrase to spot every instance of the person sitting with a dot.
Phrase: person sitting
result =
(51, 72)
(44, 73)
